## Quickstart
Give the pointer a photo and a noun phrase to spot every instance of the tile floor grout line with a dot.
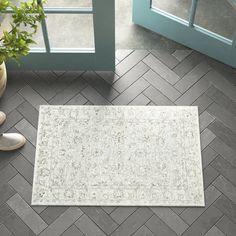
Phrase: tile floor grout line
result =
(202, 212)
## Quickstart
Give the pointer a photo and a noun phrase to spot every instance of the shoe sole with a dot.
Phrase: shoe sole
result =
(14, 147)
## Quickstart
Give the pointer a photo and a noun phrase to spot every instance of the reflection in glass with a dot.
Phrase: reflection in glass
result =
(38, 37)
(69, 3)
(62, 3)
(179, 8)
(218, 16)
(70, 31)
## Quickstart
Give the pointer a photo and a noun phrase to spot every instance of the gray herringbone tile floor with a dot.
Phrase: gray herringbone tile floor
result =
(155, 77)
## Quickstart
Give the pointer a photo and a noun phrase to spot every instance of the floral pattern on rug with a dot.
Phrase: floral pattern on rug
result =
(118, 156)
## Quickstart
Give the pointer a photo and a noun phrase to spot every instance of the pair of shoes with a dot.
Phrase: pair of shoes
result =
(11, 141)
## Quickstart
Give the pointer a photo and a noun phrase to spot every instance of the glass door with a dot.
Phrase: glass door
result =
(208, 26)
(76, 35)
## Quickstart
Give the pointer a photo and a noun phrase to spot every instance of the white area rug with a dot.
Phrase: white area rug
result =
(118, 156)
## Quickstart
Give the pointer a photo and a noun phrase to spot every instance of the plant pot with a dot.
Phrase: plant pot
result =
(3, 78)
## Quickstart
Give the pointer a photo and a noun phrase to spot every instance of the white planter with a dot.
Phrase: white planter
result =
(3, 78)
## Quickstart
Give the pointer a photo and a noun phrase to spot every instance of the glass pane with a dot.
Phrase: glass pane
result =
(5, 20)
(179, 8)
(62, 3)
(69, 3)
(218, 16)
(70, 31)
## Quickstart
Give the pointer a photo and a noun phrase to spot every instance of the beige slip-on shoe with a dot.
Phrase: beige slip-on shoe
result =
(2, 117)
(11, 141)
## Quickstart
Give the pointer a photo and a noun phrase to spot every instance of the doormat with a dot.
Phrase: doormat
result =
(118, 156)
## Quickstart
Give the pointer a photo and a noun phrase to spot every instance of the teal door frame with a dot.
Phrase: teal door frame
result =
(185, 32)
(102, 57)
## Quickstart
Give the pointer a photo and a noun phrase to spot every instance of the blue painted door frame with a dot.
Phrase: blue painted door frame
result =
(102, 58)
(185, 32)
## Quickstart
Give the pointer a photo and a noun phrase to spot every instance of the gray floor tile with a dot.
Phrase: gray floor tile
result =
(50, 214)
(65, 81)
(100, 218)
(121, 54)
(12, 119)
(208, 155)
(143, 231)
(9, 104)
(39, 85)
(6, 192)
(133, 222)
(48, 76)
(24, 168)
(214, 231)
(105, 89)
(221, 99)
(24, 189)
(15, 82)
(63, 222)
(109, 209)
(28, 130)
(28, 151)
(161, 69)
(157, 97)
(32, 97)
(29, 113)
(17, 226)
(204, 223)
(164, 87)
(227, 207)
(192, 77)
(94, 97)
(7, 157)
(72, 231)
(140, 100)
(130, 77)
(130, 61)
(158, 227)
(225, 151)
(120, 214)
(88, 227)
(226, 226)
(222, 84)
(188, 63)
(206, 138)
(205, 119)
(133, 91)
(202, 102)
(7, 173)
(191, 214)
(226, 188)
(193, 93)
(225, 169)
(27, 214)
(69, 92)
(178, 210)
(5, 212)
(209, 175)
(77, 100)
(109, 76)
(165, 57)
(171, 219)
(223, 115)
(4, 231)
(181, 54)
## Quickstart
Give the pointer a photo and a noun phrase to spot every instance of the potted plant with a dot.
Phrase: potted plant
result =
(15, 41)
